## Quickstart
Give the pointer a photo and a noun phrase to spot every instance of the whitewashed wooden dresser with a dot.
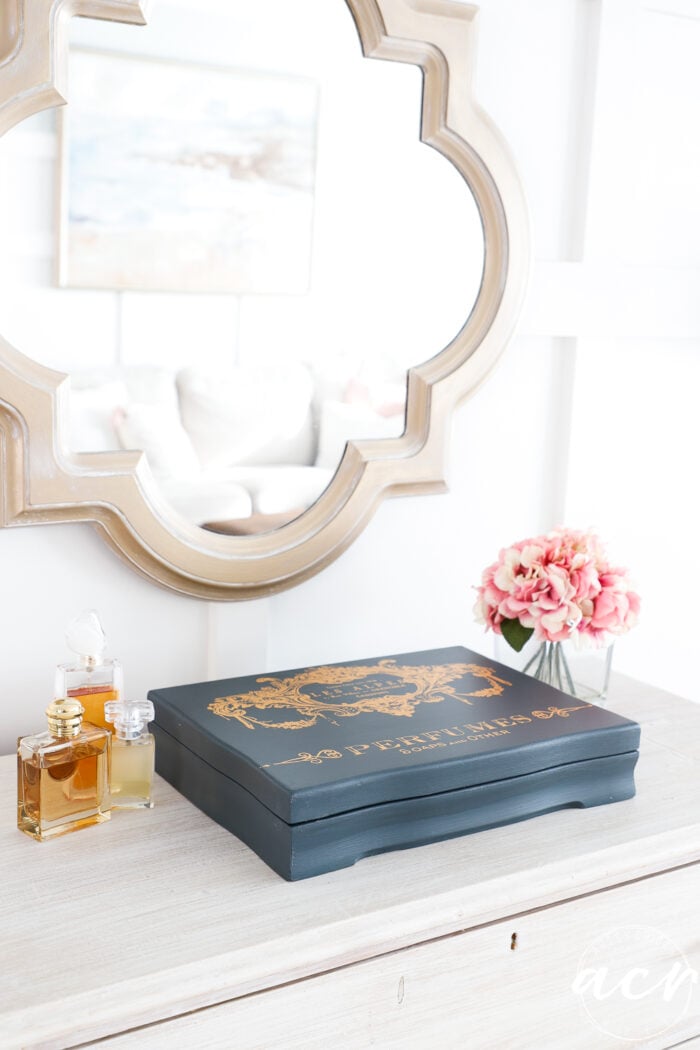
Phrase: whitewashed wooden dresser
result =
(159, 929)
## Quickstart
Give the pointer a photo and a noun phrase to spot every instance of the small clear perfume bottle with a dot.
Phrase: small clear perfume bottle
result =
(63, 774)
(92, 679)
(133, 754)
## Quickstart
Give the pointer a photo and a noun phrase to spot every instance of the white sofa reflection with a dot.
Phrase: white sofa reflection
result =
(246, 444)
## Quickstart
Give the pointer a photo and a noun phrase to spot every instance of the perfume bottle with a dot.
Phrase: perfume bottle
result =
(62, 774)
(133, 754)
(91, 679)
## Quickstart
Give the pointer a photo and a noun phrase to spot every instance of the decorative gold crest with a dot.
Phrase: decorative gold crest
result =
(344, 692)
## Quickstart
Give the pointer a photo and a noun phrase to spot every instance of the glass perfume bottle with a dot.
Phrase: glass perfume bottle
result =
(91, 679)
(133, 754)
(62, 774)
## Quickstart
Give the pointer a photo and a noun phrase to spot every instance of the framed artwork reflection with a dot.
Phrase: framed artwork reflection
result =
(177, 177)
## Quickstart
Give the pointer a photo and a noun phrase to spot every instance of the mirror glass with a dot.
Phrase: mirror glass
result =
(235, 245)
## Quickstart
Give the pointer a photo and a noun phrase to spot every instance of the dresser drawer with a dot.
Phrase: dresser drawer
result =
(506, 984)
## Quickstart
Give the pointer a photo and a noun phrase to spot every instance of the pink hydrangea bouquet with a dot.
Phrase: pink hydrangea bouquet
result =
(557, 586)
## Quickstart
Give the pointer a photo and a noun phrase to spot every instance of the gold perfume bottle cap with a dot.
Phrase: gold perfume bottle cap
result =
(65, 717)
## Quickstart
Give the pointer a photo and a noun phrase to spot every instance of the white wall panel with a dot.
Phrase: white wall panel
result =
(526, 79)
(660, 213)
(237, 638)
(635, 435)
(633, 475)
(644, 205)
(600, 298)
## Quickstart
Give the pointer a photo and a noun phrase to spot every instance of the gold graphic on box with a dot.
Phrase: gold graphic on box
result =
(306, 756)
(345, 692)
(559, 712)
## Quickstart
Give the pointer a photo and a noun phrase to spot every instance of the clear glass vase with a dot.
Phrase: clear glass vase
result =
(583, 673)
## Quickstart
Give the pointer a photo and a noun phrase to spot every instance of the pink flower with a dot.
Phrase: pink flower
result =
(616, 608)
(557, 586)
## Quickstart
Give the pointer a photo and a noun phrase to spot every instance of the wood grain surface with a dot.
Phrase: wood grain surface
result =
(473, 989)
(159, 913)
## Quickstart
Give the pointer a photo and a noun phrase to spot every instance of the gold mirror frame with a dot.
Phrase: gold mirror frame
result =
(41, 482)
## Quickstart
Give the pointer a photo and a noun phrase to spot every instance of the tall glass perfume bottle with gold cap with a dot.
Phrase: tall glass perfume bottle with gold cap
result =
(92, 679)
(133, 754)
(62, 774)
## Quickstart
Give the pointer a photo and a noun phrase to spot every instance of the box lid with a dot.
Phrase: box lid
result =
(318, 741)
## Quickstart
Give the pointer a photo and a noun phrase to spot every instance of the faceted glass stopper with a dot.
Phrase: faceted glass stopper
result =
(86, 637)
(129, 717)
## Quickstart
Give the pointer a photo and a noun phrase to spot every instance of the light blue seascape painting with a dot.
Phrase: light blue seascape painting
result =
(179, 177)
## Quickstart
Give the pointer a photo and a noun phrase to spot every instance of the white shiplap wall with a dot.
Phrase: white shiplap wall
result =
(590, 418)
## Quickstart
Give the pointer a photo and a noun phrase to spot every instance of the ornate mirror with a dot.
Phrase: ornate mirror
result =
(265, 292)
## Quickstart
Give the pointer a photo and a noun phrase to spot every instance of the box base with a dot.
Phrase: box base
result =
(299, 851)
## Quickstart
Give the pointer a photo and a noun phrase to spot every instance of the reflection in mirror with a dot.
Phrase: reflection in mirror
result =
(253, 248)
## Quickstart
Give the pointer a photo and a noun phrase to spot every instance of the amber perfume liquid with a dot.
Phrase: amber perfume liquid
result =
(92, 686)
(62, 782)
(131, 772)
(93, 698)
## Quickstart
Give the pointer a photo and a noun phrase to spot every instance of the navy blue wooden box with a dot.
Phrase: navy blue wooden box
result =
(318, 767)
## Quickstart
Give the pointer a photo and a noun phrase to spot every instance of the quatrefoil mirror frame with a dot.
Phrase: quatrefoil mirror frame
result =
(42, 482)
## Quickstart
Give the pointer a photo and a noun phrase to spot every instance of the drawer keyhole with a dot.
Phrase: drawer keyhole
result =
(513, 941)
